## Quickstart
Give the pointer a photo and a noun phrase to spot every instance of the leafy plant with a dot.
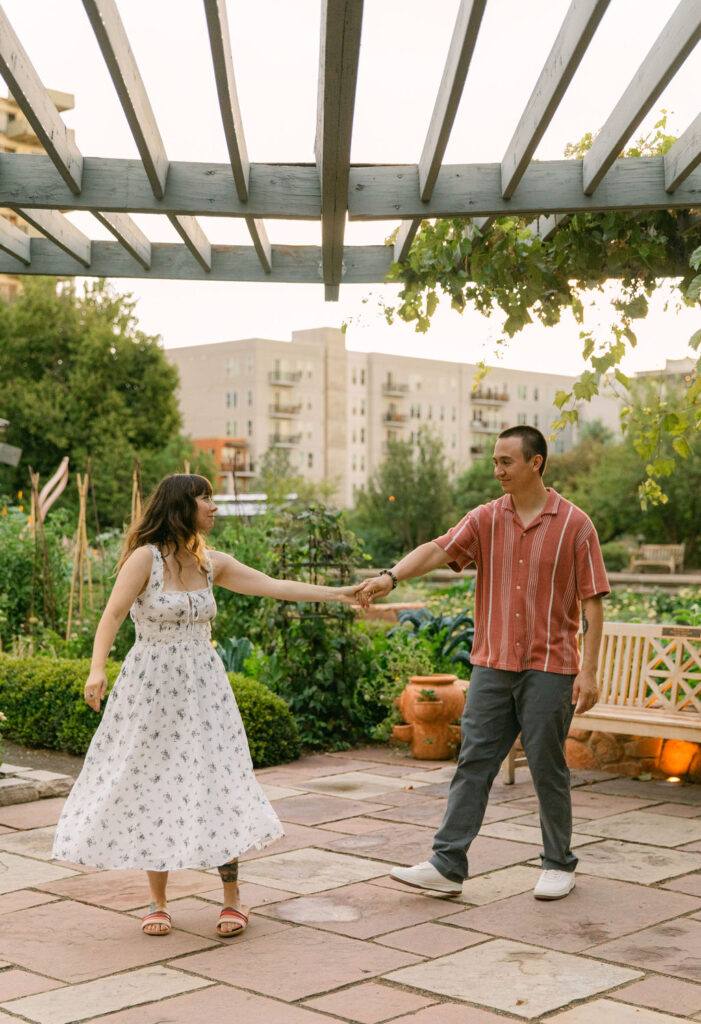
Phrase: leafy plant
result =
(235, 653)
(427, 696)
(450, 637)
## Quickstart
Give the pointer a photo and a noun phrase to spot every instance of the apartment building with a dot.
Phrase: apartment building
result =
(17, 136)
(336, 410)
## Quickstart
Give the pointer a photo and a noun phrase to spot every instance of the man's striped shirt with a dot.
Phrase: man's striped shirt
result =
(529, 582)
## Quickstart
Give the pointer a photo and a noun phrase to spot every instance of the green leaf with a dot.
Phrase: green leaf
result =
(681, 447)
(561, 398)
(693, 292)
(695, 340)
(695, 259)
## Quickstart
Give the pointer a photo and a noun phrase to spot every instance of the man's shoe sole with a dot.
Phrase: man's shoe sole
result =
(560, 896)
(427, 888)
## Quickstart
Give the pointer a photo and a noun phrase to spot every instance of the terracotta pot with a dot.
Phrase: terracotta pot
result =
(402, 733)
(428, 710)
(433, 737)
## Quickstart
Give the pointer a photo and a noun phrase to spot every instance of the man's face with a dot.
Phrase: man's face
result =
(510, 468)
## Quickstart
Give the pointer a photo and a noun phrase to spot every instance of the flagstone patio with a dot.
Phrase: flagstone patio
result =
(333, 938)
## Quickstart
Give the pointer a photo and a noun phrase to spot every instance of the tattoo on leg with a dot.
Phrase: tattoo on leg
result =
(585, 623)
(229, 872)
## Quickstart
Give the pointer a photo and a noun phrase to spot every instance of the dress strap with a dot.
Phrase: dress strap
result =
(156, 578)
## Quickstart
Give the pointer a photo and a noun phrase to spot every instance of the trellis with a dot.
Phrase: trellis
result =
(41, 188)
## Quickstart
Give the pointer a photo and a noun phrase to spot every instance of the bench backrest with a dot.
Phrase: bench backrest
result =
(651, 666)
(661, 551)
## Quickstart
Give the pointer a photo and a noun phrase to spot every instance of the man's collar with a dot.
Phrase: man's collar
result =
(552, 503)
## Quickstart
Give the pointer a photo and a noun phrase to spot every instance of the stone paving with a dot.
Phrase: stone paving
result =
(333, 938)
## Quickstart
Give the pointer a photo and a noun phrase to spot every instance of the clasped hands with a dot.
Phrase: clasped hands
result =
(372, 588)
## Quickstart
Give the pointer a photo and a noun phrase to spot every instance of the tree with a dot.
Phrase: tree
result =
(513, 271)
(78, 378)
(408, 500)
(477, 484)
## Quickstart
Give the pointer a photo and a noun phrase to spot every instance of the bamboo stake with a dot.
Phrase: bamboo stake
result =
(136, 492)
(81, 558)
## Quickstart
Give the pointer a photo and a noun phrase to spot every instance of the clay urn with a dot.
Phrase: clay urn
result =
(429, 728)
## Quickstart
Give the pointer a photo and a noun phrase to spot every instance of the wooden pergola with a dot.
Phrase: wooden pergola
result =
(40, 188)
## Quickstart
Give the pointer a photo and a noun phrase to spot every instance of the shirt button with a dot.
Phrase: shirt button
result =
(523, 534)
(518, 586)
(520, 561)
(518, 644)
(518, 615)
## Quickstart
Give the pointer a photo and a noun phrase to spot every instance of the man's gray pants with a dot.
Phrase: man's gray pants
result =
(498, 706)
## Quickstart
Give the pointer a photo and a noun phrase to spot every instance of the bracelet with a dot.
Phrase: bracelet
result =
(388, 572)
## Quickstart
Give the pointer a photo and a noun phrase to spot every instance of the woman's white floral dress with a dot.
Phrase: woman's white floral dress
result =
(168, 780)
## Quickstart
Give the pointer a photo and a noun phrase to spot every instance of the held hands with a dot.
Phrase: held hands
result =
(375, 586)
(585, 692)
(95, 688)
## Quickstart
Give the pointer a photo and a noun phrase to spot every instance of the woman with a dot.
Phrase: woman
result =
(168, 780)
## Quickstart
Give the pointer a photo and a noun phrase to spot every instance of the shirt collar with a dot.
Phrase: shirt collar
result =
(552, 503)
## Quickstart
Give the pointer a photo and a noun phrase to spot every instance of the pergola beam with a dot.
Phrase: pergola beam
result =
(129, 235)
(194, 238)
(462, 46)
(580, 24)
(671, 48)
(59, 230)
(295, 264)
(37, 106)
(341, 22)
(684, 156)
(112, 39)
(220, 43)
(13, 241)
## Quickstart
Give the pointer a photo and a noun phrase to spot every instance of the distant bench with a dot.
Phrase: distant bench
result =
(650, 682)
(669, 555)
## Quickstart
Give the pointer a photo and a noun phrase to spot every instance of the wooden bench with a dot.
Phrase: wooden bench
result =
(650, 680)
(669, 555)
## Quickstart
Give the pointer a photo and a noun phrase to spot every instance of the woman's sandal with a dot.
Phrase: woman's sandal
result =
(156, 917)
(231, 914)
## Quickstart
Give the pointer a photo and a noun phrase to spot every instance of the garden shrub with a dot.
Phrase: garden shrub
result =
(43, 701)
(273, 736)
(616, 556)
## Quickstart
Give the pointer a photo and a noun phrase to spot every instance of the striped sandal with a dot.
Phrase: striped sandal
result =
(156, 917)
(236, 916)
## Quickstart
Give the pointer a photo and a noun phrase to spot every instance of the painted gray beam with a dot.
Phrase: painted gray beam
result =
(289, 192)
(129, 234)
(341, 22)
(295, 264)
(580, 24)
(548, 186)
(194, 238)
(220, 44)
(13, 241)
(684, 156)
(405, 236)
(545, 227)
(112, 39)
(38, 107)
(669, 51)
(59, 230)
(483, 223)
(378, 192)
(462, 47)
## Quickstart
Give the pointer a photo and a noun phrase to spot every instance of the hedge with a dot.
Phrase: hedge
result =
(43, 701)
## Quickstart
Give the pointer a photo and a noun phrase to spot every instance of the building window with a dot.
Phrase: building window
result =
(250, 428)
(362, 376)
(309, 406)
(418, 412)
(310, 460)
(231, 399)
(355, 411)
(362, 435)
(535, 394)
(362, 463)
(355, 463)
(362, 406)
(354, 437)
(429, 415)
(250, 398)
(232, 428)
(249, 364)
(355, 376)
(232, 367)
(535, 420)
(522, 391)
(453, 414)
(442, 413)
(521, 418)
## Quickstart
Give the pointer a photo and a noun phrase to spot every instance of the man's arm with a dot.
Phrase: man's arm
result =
(425, 558)
(585, 691)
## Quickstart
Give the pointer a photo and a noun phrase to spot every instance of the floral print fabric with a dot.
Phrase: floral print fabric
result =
(168, 780)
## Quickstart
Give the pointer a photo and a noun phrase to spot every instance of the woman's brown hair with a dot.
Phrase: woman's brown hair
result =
(168, 520)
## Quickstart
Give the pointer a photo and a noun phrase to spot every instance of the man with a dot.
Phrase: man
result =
(538, 563)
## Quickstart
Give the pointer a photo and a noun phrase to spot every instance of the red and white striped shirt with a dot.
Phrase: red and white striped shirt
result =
(529, 582)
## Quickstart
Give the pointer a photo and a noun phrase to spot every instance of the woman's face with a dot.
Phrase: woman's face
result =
(204, 517)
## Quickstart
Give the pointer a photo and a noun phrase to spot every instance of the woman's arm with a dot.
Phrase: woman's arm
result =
(236, 576)
(132, 578)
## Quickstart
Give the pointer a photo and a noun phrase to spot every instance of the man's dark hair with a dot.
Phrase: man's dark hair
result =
(532, 443)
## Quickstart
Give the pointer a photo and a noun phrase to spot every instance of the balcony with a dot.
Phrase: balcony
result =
(481, 427)
(394, 419)
(239, 468)
(280, 379)
(393, 389)
(291, 441)
(284, 412)
(489, 396)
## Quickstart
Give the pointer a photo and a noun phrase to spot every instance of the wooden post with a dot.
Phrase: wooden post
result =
(136, 497)
(81, 557)
(41, 553)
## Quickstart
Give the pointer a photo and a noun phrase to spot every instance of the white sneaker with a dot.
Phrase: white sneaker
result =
(553, 885)
(425, 876)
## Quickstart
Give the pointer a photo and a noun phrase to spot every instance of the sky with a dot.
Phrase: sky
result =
(275, 47)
